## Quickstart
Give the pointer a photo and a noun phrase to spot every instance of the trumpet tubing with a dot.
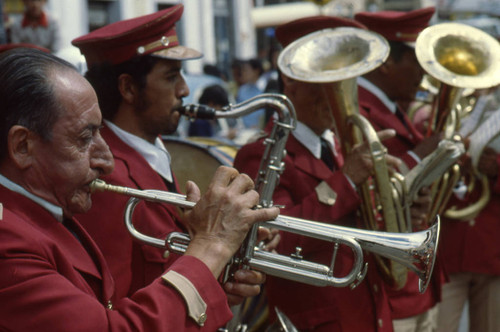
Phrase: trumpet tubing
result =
(416, 251)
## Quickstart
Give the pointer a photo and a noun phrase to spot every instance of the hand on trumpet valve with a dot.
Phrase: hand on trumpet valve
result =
(268, 238)
(358, 164)
(246, 283)
(221, 218)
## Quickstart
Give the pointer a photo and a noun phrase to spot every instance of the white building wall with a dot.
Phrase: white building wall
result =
(72, 17)
(246, 43)
(198, 27)
(134, 8)
(198, 32)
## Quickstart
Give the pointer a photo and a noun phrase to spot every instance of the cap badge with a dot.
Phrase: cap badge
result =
(164, 41)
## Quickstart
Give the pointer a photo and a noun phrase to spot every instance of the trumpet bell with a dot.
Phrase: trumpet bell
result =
(459, 55)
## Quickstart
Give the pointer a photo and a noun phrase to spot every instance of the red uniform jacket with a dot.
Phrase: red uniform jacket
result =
(132, 264)
(407, 137)
(50, 281)
(408, 301)
(473, 246)
(310, 307)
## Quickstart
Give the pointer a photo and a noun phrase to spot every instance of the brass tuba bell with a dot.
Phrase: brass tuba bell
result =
(460, 58)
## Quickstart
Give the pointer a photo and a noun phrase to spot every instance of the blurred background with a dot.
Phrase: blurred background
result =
(225, 30)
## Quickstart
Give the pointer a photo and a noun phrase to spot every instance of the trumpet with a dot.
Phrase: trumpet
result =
(416, 251)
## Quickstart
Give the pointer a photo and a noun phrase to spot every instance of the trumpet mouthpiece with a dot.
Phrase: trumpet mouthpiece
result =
(97, 185)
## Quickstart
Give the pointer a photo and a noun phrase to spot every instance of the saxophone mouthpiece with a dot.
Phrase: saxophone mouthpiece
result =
(193, 111)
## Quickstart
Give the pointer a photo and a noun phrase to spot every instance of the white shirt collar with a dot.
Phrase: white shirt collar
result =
(363, 82)
(312, 141)
(156, 155)
(55, 210)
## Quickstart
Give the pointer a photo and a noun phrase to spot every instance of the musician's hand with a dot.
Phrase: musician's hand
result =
(268, 238)
(246, 283)
(428, 145)
(222, 217)
(420, 208)
(358, 164)
(487, 164)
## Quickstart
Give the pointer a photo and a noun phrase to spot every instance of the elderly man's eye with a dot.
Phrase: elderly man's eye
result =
(85, 138)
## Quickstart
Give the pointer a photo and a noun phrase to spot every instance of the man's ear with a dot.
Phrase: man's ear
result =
(20, 145)
(127, 87)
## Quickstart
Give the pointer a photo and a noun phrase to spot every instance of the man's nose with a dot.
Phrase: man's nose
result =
(102, 158)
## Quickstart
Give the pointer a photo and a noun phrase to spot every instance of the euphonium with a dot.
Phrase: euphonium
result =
(461, 58)
(416, 251)
(336, 57)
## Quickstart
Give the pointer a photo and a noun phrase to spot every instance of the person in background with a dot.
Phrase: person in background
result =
(251, 70)
(215, 97)
(397, 81)
(213, 70)
(50, 152)
(319, 183)
(135, 68)
(469, 248)
(235, 79)
(36, 27)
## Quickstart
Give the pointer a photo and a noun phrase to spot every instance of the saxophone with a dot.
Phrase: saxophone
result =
(271, 165)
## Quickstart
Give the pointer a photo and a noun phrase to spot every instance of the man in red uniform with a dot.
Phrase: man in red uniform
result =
(380, 91)
(53, 277)
(310, 189)
(471, 256)
(135, 68)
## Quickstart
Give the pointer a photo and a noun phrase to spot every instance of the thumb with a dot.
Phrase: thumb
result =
(193, 193)
(386, 133)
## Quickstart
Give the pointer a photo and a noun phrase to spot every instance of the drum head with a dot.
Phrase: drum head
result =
(197, 158)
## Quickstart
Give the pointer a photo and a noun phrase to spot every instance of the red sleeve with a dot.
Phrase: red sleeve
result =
(41, 291)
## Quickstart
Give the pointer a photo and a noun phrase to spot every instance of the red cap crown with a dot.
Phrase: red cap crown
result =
(291, 31)
(6, 47)
(149, 34)
(395, 25)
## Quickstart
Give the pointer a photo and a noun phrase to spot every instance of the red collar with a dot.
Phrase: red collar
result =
(43, 21)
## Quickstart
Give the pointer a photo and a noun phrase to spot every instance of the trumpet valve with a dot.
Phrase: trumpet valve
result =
(297, 254)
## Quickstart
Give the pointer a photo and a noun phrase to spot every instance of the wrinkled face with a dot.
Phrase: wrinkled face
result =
(404, 77)
(34, 8)
(76, 154)
(162, 95)
(311, 104)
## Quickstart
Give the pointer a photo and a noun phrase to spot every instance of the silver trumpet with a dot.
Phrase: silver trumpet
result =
(416, 251)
